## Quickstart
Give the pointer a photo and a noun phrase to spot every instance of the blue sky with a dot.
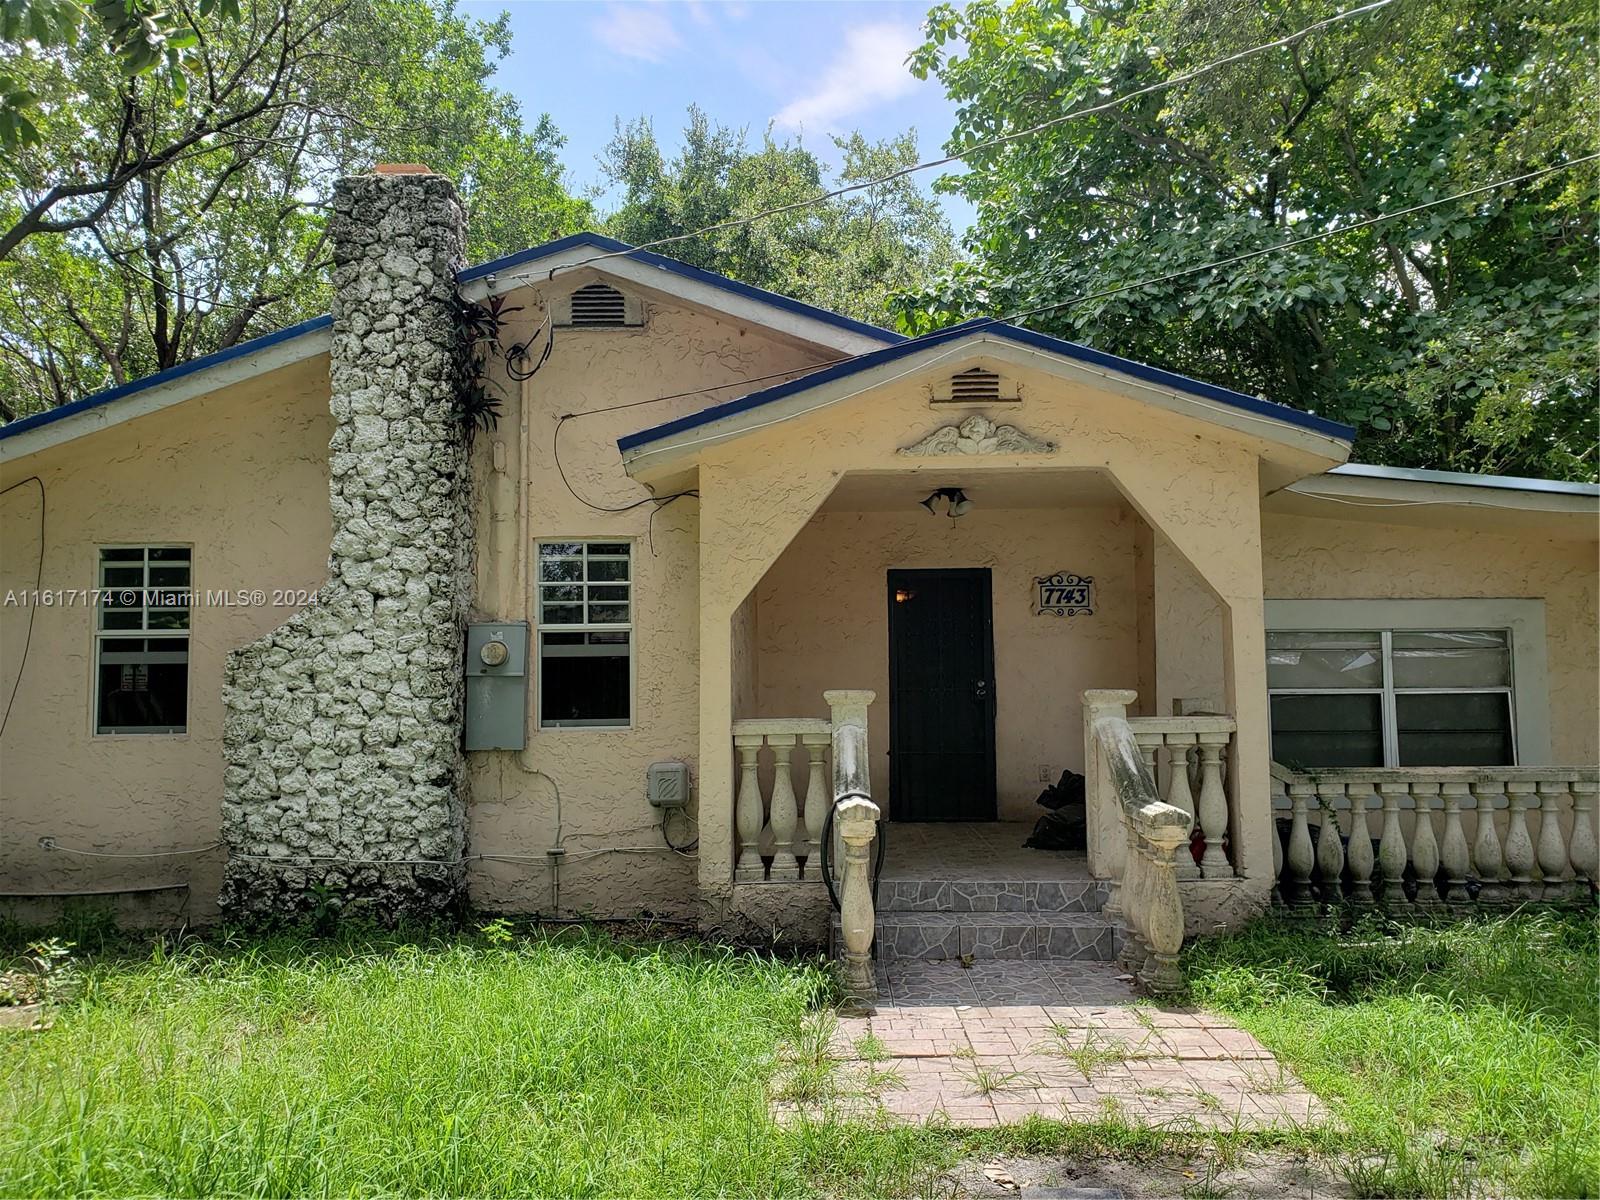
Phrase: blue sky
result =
(809, 67)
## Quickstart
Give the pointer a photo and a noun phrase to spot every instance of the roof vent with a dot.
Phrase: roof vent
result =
(601, 306)
(977, 385)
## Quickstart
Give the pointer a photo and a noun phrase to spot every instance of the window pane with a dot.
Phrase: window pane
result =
(1454, 730)
(583, 684)
(137, 697)
(169, 576)
(1455, 659)
(1324, 660)
(609, 548)
(121, 577)
(608, 614)
(608, 591)
(170, 554)
(568, 592)
(1327, 731)
(168, 618)
(608, 569)
(136, 554)
(561, 614)
(560, 569)
(111, 619)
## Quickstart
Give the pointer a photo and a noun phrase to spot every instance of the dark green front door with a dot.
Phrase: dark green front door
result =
(941, 696)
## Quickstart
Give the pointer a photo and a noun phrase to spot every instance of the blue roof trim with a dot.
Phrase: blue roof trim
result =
(1010, 333)
(607, 245)
(265, 341)
(1509, 483)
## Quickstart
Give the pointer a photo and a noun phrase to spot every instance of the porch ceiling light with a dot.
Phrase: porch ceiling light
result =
(949, 502)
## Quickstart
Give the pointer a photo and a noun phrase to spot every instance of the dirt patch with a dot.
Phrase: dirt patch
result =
(1256, 1173)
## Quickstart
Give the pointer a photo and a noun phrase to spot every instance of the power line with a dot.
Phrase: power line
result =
(1001, 140)
(1020, 314)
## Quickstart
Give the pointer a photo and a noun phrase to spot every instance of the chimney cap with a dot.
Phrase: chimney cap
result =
(402, 169)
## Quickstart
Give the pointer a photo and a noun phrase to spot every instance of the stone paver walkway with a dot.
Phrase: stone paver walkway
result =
(997, 1042)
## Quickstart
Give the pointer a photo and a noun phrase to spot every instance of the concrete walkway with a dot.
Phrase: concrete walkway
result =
(996, 1042)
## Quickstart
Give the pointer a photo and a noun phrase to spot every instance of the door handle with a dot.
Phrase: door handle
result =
(980, 689)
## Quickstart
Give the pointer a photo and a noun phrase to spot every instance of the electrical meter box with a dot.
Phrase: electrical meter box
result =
(497, 685)
(666, 784)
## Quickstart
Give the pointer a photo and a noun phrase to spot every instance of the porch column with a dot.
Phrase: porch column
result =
(1245, 668)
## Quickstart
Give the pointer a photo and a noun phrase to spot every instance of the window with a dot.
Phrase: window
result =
(1391, 698)
(142, 640)
(585, 634)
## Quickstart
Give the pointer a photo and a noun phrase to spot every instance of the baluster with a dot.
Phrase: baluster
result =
(1359, 854)
(784, 809)
(1302, 858)
(1554, 866)
(1424, 847)
(857, 823)
(1453, 854)
(1179, 795)
(749, 811)
(1583, 846)
(1488, 864)
(1330, 850)
(1214, 807)
(816, 810)
(1280, 801)
(1392, 845)
(1519, 846)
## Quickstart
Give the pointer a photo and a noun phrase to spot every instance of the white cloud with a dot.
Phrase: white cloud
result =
(637, 30)
(869, 69)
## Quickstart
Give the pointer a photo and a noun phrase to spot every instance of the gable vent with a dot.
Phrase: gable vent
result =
(975, 386)
(601, 306)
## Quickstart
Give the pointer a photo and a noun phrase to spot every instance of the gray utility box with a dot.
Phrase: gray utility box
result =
(497, 685)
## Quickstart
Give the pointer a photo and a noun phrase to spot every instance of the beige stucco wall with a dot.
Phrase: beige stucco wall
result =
(615, 860)
(241, 476)
(1192, 481)
(1318, 558)
(824, 624)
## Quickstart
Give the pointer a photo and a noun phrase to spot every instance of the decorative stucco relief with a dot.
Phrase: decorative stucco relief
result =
(978, 435)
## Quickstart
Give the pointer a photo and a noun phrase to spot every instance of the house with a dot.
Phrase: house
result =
(262, 610)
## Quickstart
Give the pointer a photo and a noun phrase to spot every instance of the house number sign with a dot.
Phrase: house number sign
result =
(1063, 595)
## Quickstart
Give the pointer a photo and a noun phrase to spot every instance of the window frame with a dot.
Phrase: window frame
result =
(1521, 620)
(98, 636)
(540, 628)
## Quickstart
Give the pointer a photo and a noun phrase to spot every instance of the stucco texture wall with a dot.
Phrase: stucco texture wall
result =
(1195, 483)
(240, 476)
(1315, 558)
(615, 860)
(823, 623)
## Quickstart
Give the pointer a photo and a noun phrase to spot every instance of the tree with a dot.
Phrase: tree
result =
(850, 255)
(1458, 337)
(144, 232)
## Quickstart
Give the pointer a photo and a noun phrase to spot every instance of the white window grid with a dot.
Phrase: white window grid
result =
(143, 630)
(583, 555)
(1388, 716)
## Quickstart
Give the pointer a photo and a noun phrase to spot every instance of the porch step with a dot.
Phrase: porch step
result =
(985, 935)
(992, 895)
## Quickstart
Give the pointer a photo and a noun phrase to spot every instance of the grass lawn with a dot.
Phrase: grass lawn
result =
(1460, 1059)
(567, 1062)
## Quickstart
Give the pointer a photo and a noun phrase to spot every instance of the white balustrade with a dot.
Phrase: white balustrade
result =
(773, 818)
(1156, 833)
(1187, 757)
(1447, 835)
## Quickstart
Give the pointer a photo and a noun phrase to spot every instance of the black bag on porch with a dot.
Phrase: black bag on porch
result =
(1064, 825)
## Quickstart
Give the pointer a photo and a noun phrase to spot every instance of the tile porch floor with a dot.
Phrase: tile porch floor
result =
(974, 850)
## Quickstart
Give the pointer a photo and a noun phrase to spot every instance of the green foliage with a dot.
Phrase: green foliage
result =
(1459, 337)
(215, 231)
(143, 36)
(848, 255)
(1460, 1058)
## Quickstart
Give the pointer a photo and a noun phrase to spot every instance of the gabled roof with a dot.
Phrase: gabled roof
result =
(866, 370)
(654, 270)
(1505, 483)
(194, 378)
(310, 338)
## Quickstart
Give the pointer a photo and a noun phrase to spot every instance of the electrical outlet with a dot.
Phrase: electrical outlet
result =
(1046, 775)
